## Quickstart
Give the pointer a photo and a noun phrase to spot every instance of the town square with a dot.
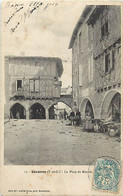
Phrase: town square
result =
(62, 84)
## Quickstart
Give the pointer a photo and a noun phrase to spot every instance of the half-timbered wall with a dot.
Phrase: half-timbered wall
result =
(39, 78)
(30, 80)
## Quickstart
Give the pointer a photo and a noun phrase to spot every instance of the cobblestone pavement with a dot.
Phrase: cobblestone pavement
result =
(51, 142)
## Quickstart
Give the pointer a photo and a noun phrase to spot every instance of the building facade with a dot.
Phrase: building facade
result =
(66, 91)
(96, 61)
(32, 86)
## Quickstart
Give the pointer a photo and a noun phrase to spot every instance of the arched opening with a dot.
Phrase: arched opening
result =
(112, 106)
(59, 111)
(17, 111)
(89, 109)
(52, 112)
(86, 108)
(37, 111)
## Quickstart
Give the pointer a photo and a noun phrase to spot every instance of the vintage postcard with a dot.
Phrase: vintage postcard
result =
(61, 103)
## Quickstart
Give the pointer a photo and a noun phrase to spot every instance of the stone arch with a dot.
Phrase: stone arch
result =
(66, 103)
(51, 110)
(61, 102)
(106, 103)
(17, 111)
(19, 102)
(32, 102)
(37, 111)
(86, 101)
(66, 99)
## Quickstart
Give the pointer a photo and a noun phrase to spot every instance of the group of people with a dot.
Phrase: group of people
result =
(75, 117)
(62, 115)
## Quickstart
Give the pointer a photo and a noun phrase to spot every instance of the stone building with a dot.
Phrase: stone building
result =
(32, 86)
(66, 91)
(61, 107)
(96, 66)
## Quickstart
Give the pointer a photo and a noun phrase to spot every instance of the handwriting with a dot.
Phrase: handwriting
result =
(28, 9)
(9, 4)
(33, 6)
(13, 29)
(36, 5)
(50, 4)
(13, 15)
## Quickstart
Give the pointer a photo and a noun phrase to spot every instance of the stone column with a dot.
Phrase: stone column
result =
(47, 113)
(27, 114)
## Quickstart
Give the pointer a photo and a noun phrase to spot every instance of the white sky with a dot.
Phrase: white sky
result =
(44, 33)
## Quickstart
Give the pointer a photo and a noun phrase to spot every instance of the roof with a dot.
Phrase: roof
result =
(94, 15)
(57, 60)
(86, 10)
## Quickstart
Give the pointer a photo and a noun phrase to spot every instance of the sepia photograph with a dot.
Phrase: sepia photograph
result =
(62, 82)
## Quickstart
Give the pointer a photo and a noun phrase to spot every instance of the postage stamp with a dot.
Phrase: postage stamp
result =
(106, 174)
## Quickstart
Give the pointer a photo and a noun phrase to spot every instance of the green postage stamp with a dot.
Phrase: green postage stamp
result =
(106, 174)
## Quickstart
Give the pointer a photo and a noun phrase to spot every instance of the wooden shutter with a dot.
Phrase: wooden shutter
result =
(37, 85)
(31, 85)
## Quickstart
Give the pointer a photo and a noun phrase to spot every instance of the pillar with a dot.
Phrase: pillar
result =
(47, 113)
(27, 114)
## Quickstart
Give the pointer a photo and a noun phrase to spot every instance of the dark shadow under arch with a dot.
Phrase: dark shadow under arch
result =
(111, 104)
(89, 109)
(86, 107)
(17, 111)
(115, 107)
(51, 112)
(37, 111)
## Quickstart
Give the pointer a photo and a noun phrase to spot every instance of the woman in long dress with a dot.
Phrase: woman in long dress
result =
(88, 123)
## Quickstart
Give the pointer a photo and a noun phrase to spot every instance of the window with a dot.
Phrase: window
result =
(31, 85)
(19, 84)
(113, 59)
(110, 60)
(107, 62)
(34, 85)
(104, 25)
(80, 42)
(104, 30)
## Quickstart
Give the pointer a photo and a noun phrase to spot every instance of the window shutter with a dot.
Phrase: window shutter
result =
(113, 59)
(31, 85)
(37, 85)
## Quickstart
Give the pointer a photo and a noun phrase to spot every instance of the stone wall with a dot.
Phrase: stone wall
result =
(45, 71)
(114, 28)
(100, 87)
